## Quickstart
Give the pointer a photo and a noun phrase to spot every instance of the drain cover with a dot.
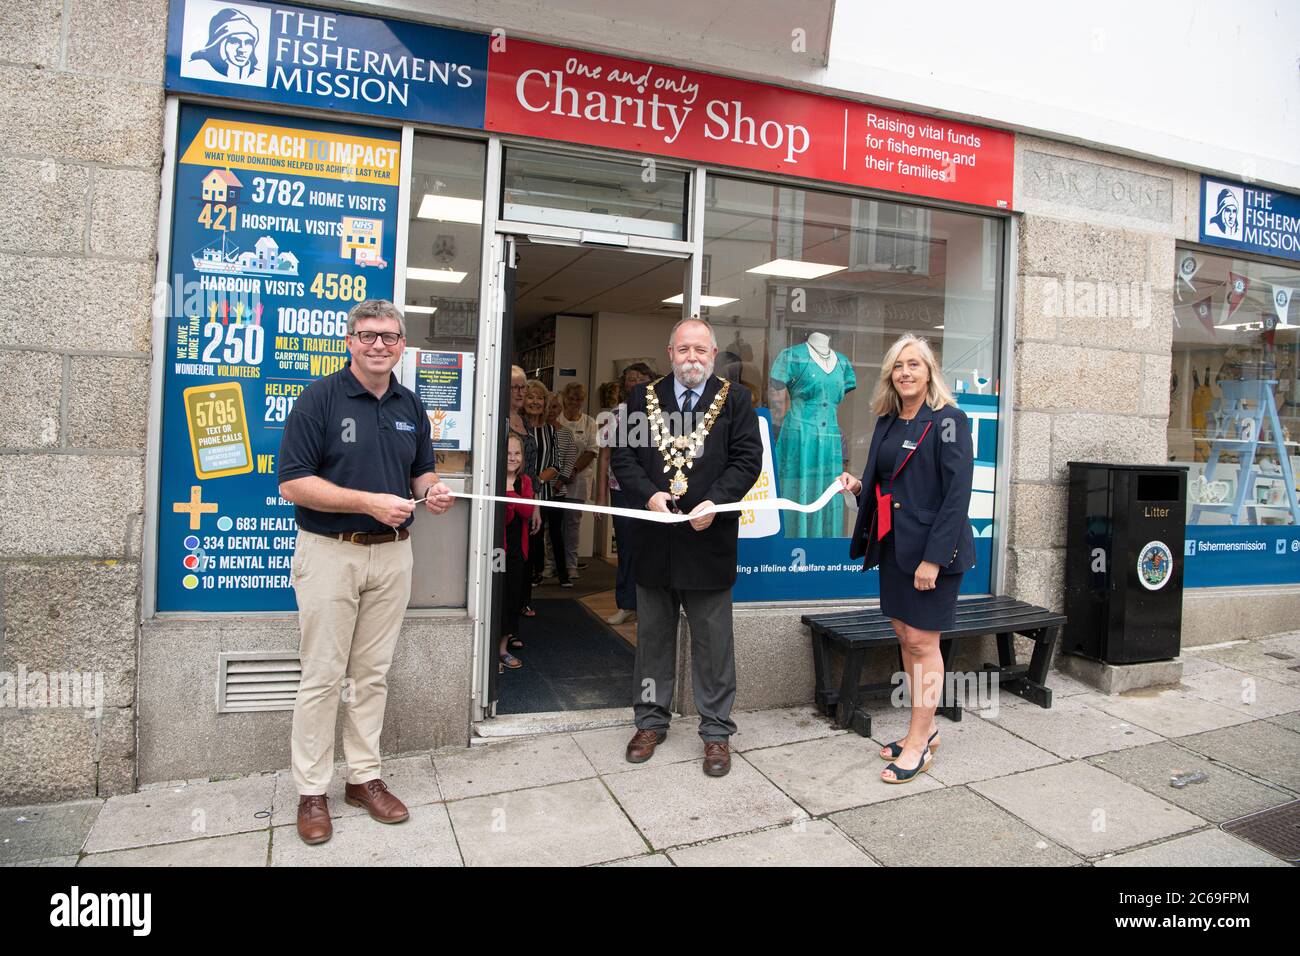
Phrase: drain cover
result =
(1277, 830)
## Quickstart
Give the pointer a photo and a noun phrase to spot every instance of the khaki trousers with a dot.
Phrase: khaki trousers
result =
(351, 600)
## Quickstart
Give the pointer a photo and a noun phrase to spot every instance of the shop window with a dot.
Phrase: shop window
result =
(1234, 418)
(444, 248)
(814, 273)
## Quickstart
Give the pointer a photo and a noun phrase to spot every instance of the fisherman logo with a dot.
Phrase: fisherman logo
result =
(75, 909)
(227, 42)
(1222, 210)
(1155, 563)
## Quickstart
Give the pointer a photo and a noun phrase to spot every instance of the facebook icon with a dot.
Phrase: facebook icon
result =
(1189, 547)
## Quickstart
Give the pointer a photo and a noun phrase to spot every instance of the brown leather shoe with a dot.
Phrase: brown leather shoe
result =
(314, 824)
(378, 801)
(717, 758)
(643, 743)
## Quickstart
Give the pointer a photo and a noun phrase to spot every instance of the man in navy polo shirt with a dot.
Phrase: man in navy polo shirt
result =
(356, 454)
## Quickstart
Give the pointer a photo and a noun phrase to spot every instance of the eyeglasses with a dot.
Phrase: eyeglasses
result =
(368, 338)
(517, 388)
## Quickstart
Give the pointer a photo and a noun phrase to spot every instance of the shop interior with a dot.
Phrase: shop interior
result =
(1234, 407)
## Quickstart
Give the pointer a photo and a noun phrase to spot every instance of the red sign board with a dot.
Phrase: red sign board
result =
(598, 100)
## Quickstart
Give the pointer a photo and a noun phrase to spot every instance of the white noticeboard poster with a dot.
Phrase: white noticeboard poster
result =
(444, 382)
(761, 524)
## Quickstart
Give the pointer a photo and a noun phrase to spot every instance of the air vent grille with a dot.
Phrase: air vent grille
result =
(257, 680)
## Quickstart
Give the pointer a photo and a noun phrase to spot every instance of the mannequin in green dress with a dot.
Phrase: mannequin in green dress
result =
(812, 379)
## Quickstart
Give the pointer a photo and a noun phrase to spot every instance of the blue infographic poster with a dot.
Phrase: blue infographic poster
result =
(279, 226)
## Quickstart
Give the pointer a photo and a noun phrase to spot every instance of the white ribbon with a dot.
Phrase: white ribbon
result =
(638, 514)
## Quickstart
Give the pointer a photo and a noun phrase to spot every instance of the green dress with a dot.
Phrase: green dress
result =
(809, 449)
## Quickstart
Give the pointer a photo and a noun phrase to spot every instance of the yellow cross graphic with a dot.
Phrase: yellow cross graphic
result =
(195, 507)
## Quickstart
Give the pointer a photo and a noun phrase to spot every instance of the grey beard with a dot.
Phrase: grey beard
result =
(689, 378)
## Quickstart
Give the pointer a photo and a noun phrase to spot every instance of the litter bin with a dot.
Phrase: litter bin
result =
(1124, 561)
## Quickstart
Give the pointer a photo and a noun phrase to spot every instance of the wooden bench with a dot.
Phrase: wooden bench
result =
(856, 632)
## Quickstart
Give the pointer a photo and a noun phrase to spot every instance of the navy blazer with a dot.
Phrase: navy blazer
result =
(676, 555)
(931, 496)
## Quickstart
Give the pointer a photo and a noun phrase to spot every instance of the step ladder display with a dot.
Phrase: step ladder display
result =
(1243, 419)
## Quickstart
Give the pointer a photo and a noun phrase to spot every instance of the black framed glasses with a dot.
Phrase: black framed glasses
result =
(368, 337)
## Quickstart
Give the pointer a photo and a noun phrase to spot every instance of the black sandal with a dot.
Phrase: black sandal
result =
(896, 748)
(904, 776)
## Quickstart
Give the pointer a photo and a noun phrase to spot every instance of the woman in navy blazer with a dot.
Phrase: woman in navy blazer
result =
(913, 504)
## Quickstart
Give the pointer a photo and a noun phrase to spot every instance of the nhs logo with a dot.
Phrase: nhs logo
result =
(226, 42)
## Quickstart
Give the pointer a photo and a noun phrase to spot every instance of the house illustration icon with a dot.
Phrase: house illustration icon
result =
(221, 185)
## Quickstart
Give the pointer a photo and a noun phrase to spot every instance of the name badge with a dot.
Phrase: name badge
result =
(909, 445)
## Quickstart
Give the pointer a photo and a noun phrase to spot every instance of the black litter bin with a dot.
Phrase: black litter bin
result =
(1124, 561)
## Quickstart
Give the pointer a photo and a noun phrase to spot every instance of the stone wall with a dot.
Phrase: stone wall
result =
(81, 104)
(1093, 340)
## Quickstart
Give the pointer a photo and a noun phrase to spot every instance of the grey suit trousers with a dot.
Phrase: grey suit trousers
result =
(713, 662)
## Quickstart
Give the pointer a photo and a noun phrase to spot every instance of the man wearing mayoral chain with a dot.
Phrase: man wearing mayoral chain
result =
(702, 448)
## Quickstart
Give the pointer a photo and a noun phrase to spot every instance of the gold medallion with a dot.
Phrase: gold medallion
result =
(680, 451)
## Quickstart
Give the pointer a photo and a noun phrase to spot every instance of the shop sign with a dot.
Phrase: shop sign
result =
(279, 227)
(580, 97)
(1239, 216)
(278, 53)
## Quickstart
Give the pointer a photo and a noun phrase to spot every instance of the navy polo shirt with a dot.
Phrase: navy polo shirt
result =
(340, 432)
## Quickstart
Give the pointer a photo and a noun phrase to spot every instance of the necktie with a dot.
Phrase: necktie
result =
(688, 400)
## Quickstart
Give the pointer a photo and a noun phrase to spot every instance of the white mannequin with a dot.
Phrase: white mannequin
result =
(819, 347)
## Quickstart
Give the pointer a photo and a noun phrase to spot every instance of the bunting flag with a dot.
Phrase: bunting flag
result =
(1282, 302)
(1187, 267)
(1236, 294)
(1205, 312)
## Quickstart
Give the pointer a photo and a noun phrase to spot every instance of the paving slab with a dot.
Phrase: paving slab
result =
(1260, 748)
(950, 827)
(804, 843)
(1245, 693)
(1289, 721)
(675, 804)
(1207, 848)
(566, 824)
(238, 849)
(1286, 643)
(605, 748)
(1168, 711)
(50, 861)
(772, 728)
(1223, 795)
(1194, 663)
(183, 813)
(52, 831)
(1250, 655)
(833, 774)
(411, 779)
(1071, 728)
(969, 749)
(426, 839)
(1086, 809)
(645, 859)
(510, 765)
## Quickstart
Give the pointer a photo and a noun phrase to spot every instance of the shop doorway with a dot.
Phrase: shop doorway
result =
(577, 314)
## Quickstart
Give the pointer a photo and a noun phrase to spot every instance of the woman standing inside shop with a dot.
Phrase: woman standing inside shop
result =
(519, 428)
(556, 455)
(913, 504)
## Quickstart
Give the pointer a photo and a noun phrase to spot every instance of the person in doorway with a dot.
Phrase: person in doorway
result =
(609, 492)
(357, 451)
(583, 429)
(515, 543)
(519, 428)
(555, 458)
(706, 450)
(913, 507)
